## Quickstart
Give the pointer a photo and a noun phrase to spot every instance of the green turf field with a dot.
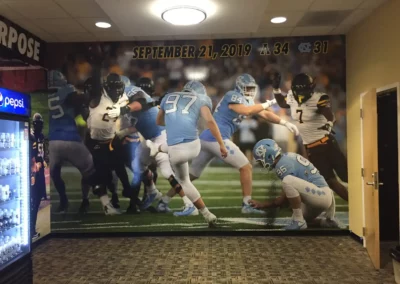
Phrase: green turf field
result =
(219, 187)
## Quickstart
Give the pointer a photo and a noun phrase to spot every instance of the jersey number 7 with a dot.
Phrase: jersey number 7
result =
(301, 115)
(175, 100)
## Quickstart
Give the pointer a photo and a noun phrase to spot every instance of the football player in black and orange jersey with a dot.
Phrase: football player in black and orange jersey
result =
(313, 114)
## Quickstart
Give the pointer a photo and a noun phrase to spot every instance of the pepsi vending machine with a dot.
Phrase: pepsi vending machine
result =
(14, 177)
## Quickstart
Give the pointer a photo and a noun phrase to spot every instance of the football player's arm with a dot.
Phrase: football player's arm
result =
(160, 118)
(74, 99)
(273, 118)
(97, 86)
(277, 202)
(137, 102)
(280, 98)
(324, 108)
(242, 109)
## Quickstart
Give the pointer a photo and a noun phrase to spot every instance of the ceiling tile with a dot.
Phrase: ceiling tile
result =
(36, 9)
(340, 30)
(82, 8)
(134, 19)
(9, 13)
(46, 37)
(273, 32)
(76, 37)
(60, 26)
(292, 18)
(30, 26)
(288, 5)
(371, 4)
(331, 5)
(310, 31)
(89, 24)
(355, 17)
(109, 35)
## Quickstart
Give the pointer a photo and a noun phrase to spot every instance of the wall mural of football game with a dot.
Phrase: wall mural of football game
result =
(231, 135)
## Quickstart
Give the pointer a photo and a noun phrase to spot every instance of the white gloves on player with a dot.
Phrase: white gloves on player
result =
(114, 112)
(292, 128)
(267, 104)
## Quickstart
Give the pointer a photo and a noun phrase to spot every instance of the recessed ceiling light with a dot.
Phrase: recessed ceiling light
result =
(184, 16)
(278, 20)
(103, 25)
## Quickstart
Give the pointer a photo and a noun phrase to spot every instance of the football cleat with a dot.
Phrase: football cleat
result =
(188, 210)
(63, 207)
(35, 236)
(153, 148)
(162, 207)
(110, 210)
(296, 225)
(329, 223)
(84, 208)
(247, 209)
(211, 219)
(132, 209)
(115, 200)
(150, 198)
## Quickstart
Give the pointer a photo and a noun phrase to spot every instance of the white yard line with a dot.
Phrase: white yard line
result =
(262, 197)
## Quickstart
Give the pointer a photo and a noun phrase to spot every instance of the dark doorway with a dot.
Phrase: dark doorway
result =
(388, 166)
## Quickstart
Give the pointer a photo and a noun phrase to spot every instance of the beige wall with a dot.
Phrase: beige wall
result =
(373, 61)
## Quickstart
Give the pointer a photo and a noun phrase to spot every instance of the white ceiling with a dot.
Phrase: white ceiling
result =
(73, 20)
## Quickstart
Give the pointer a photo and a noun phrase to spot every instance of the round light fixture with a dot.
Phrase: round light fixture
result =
(278, 20)
(103, 25)
(184, 16)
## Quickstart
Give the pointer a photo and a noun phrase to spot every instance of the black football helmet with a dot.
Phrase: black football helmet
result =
(114, 87)
(147, 85)
(302, 87)
(37, 122)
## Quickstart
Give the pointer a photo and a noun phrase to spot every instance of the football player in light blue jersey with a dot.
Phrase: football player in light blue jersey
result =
(143, 109)
(180, 112)
(65, 143)
(302, 185)
(231, 110)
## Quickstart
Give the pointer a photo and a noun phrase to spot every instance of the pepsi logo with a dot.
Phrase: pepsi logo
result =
(1, 99)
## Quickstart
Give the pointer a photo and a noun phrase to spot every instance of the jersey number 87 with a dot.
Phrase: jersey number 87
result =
(175, 100)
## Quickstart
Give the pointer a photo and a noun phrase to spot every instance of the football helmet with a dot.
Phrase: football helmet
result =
(56, 79)
(37, 122)
(126, 81)
(195, 87)
(302, 87)
(147, 85)
(265, 152)
(247, 86)
(114, 87)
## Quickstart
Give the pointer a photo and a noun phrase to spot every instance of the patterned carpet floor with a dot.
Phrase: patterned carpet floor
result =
(205, 260)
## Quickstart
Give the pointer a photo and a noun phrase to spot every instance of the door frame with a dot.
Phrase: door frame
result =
(378, 90)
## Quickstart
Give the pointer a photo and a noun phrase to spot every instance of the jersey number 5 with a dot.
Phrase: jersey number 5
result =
(301, 115)
(54, 106)
(105, 116)
(174, 99)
